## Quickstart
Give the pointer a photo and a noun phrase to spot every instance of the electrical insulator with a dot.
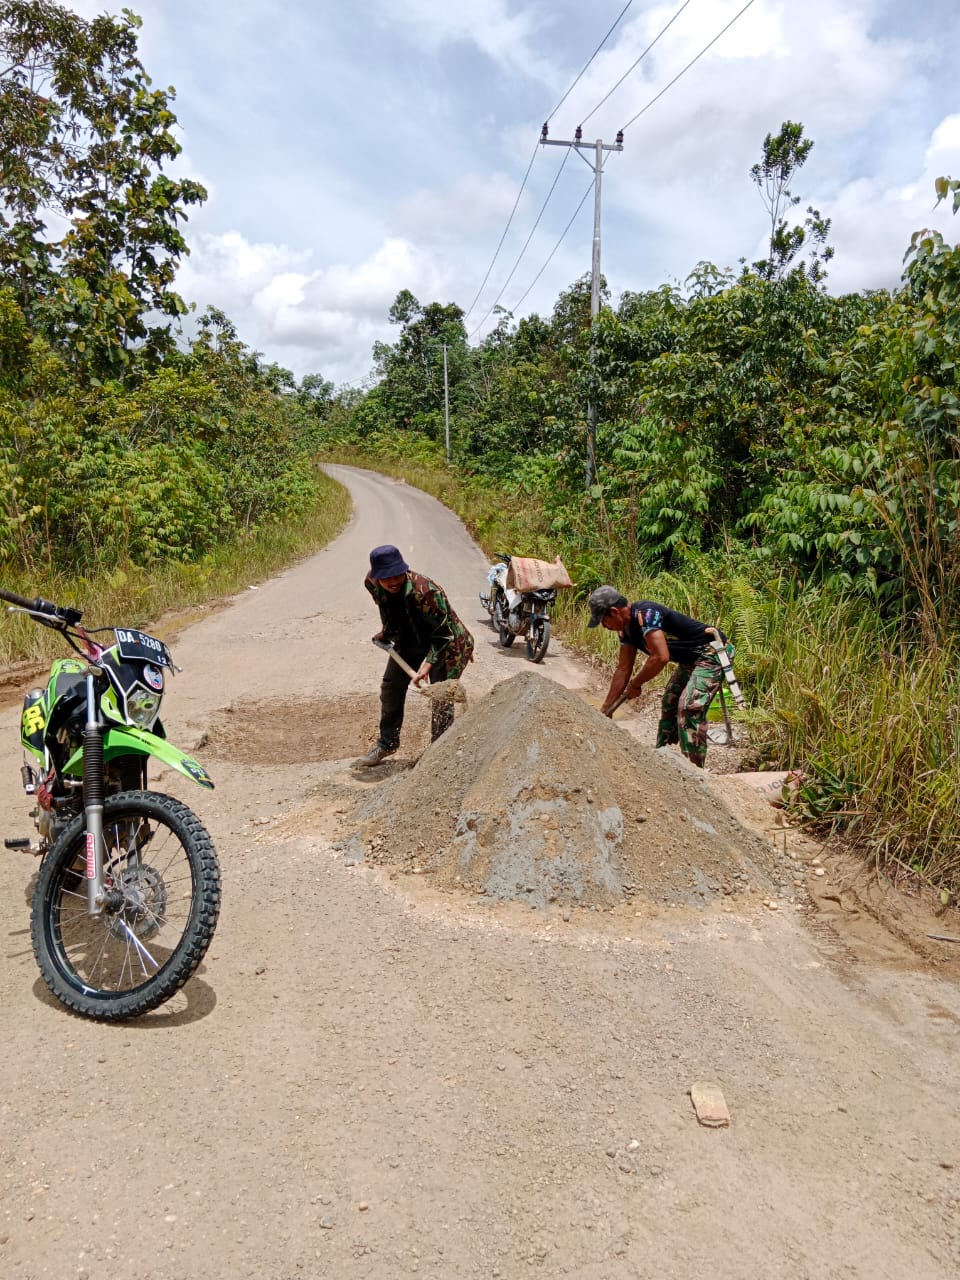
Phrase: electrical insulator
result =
(544, 131)
(619, 137)
(578, 134)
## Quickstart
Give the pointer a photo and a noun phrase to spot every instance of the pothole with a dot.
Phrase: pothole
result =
(308, 729)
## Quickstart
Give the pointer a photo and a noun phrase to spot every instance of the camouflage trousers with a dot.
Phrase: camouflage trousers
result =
(393, 696)
(683, 711)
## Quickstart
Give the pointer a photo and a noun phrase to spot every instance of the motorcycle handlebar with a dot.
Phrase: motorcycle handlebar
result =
(23, 602)
(47, 607)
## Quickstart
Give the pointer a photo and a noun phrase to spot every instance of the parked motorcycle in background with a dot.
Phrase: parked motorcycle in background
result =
(518, 607)
(128, 891)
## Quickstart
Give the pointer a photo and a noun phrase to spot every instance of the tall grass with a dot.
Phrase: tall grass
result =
(109, 593)
(872, 717)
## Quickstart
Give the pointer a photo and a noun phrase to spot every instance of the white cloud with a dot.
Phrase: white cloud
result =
(944, 146)
(874, 223)
(282, 291)
(473, 203)
(497, 28)
(355, 150)
(322, 320)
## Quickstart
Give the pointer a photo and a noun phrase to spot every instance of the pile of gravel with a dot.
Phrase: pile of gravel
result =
(534, 796)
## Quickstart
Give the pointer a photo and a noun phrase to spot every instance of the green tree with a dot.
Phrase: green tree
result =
(870, 496)
(315, 393)
(783, 157)
(410, 391)
(90, 233)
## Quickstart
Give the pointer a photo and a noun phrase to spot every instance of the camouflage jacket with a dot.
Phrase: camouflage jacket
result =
(422, 624)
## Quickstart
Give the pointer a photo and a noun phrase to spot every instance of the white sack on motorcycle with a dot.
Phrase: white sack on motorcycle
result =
(527, 574)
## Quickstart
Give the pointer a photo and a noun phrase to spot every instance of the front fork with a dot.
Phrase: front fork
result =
(93, 794)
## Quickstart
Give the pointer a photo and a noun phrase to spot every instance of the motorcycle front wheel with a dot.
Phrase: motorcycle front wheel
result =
(506, 636)
(497, 618)
(538, 639)
(163, 886)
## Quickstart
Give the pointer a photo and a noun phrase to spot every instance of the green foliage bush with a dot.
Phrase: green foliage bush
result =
(119, 449)
(191, 455)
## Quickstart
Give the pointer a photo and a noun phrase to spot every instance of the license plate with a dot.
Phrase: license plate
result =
(137, 646)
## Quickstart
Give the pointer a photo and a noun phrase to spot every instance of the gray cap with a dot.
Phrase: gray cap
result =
(602, 601)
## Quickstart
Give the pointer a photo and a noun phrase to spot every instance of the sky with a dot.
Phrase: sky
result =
(354, 148)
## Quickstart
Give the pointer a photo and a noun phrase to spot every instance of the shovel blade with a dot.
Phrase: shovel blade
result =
(444, 691)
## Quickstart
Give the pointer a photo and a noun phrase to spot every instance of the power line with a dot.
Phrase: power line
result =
(687, 67)
(533, 157)
(592, 56)
(659, 95)
(525, 246)
(504, 236)
(630, 122)
(634, 65)
(368, 379)
(583, 201)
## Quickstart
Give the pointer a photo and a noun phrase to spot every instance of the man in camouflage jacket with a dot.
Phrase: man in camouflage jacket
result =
(663, 635)
(417, 618)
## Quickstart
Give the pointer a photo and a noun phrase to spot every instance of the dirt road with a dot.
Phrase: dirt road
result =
(370, 1078)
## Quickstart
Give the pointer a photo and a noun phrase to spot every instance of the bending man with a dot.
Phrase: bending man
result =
(663, 636)
(418, 620)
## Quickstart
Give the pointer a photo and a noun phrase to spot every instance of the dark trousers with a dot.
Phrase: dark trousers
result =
(393, 696)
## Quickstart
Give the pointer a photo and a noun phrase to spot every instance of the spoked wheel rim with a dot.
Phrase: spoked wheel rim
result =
(151, 906)
(162, 890)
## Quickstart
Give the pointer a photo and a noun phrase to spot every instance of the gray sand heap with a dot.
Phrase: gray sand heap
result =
(533, 795)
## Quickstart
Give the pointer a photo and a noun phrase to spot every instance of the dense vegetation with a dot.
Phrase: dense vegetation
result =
(124, 448)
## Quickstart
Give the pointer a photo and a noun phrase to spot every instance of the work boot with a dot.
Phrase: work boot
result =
(376, 755)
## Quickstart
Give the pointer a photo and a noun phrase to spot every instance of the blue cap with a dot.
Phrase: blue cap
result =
(386, 562)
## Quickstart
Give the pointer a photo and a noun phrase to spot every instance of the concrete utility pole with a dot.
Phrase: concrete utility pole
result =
(446, 400)
(598, 147)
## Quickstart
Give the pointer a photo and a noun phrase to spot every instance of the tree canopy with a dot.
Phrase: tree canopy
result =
(121, 442)
(90, 223)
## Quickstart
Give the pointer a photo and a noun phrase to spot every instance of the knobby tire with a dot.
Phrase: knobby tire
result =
(157, 848)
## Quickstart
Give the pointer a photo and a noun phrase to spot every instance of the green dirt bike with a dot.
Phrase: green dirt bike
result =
(128, 892)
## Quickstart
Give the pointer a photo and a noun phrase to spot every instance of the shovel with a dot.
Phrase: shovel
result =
(727, 735)
(440, 692)
(619, 703)
(731, 686)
